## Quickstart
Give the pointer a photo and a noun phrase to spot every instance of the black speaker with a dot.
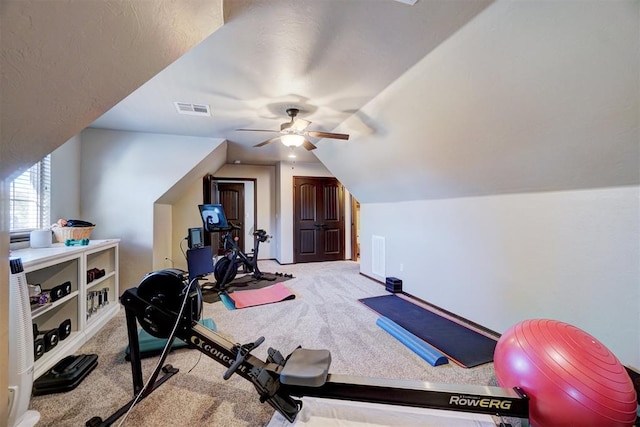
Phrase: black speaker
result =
(60, 291)
(64, 330)
(38, 348)
(50, 339)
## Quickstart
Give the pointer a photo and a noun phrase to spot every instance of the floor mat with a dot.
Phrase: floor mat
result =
(461, 344)
(267, 295)
(247, 282)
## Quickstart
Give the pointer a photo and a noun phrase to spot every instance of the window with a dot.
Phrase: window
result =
(29, 198)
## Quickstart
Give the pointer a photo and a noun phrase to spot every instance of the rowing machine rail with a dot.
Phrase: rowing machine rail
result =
(281, 391)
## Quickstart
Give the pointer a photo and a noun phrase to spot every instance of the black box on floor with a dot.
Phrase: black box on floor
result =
(393, 284)
(65, 375)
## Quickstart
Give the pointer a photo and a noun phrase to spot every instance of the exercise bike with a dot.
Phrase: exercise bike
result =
(167, 305)
(226, 267)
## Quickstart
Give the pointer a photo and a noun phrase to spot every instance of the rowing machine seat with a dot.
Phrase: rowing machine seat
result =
(308, 368)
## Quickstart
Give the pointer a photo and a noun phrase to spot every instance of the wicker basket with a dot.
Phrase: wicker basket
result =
(75, 233)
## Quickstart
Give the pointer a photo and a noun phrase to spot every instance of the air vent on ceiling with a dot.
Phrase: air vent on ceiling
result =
(192, 109)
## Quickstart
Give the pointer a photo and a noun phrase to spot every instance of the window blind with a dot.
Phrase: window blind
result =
(29, 198)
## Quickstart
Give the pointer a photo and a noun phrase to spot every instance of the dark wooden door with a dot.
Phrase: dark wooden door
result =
(318, 219)
(231, 197)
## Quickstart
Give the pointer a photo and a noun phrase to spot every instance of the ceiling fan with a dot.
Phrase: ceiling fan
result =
(294, 133)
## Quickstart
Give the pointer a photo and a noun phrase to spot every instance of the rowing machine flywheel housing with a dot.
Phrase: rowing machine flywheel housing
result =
(164, 291)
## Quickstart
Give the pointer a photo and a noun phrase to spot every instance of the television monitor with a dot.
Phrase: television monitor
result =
(195, 237)
(199, 262)
(213, 217)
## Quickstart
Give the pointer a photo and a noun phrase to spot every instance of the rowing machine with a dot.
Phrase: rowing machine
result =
(279, 381)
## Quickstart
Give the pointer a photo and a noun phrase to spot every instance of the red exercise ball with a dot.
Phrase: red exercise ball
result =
(571, 378)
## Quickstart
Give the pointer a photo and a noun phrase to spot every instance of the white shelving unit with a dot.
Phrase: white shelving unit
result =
(53, 266)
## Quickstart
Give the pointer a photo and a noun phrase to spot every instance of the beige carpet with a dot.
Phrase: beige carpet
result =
(324, 315)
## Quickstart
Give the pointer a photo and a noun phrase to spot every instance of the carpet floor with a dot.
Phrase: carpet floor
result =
(325, 314)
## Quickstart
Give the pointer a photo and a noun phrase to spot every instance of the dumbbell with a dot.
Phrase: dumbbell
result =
(96, 300)
(76, 242)
(95, 273)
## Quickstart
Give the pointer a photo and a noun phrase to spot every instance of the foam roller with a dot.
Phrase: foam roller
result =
(415, 344)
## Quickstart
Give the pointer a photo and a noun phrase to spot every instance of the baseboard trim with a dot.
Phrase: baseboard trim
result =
(442, 311)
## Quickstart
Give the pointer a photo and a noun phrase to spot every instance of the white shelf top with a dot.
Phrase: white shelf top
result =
(56, 251)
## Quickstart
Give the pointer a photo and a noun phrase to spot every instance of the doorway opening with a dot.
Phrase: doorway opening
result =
(239, 199)
(355, 229)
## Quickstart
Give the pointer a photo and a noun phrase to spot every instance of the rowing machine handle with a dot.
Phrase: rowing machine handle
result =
(243, 352)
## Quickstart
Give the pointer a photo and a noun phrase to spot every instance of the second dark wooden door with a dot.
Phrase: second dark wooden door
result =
(318, 219)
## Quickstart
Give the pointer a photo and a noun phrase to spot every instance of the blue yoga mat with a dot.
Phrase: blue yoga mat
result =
(415, 344)
(459, 343)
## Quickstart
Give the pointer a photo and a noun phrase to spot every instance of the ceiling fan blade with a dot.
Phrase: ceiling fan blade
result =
(258, 130)
(300, 124)
(329, 135)
(268, 141)
(308, 145)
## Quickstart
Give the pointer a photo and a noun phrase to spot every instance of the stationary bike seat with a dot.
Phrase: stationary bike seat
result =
(308, 368)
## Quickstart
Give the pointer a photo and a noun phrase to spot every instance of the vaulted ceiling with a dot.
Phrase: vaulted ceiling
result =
(67, 62)
(327, 58)
(441, 99)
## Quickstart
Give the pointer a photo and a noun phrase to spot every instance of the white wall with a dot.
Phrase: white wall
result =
(123, 175)
(65, 180)
(512, 153)
(184, 214)
(164, 238)
(571, 256)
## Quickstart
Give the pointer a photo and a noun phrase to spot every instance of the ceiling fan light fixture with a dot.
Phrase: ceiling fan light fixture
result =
(292, 140)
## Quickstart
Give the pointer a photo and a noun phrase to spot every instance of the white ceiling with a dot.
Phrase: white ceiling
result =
(328, 58)
(66, 62)
(442, 99)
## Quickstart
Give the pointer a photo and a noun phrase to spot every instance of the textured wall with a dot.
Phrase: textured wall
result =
(123, 176)
(66, 62)
(529, 96)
